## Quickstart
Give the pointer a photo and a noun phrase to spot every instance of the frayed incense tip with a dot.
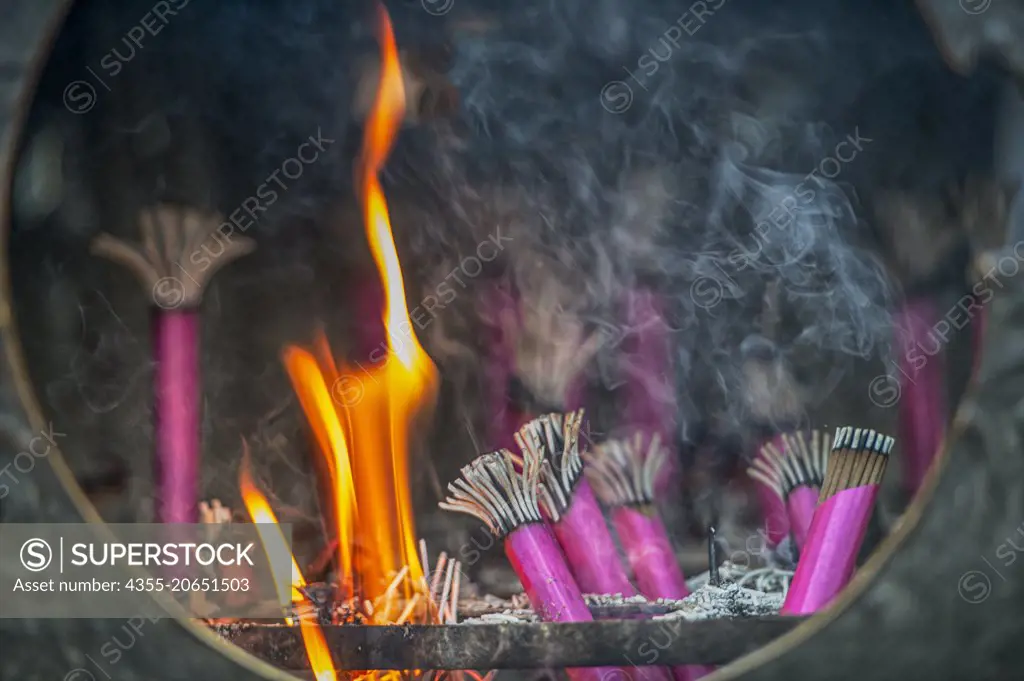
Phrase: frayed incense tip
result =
(492, 490)
(622, 473)
(552, 441)
(798, 460)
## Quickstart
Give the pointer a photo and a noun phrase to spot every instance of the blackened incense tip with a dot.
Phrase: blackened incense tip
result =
(622, 473)
(800, 462)
(492, 490)
(859, 457)
(552, 441)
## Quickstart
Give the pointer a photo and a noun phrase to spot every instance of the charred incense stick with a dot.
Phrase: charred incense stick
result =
(506, 501)
(181, 250)
(568, 501)
(855, 470)
(795, 475)
(623, 477)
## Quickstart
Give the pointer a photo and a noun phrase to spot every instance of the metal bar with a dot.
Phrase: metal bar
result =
(517, 646)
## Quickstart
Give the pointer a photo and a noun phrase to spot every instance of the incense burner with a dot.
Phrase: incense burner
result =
(931, 603)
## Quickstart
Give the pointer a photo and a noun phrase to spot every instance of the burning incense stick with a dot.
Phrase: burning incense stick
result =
(506, 501)
(623, 478)
(500, 306)
(855, 470)
(795, 475)
(568, 501)
(924, 237)
(774, 513)
(551, 346)
(650, 401)
(775, 401)
(179, 253)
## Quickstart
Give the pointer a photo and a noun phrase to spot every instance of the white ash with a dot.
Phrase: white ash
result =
(504, 617)
(606, 600)
(770, 579)
(730, 600)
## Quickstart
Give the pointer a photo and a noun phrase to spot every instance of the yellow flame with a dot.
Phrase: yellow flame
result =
(366, 440)
(274, 543)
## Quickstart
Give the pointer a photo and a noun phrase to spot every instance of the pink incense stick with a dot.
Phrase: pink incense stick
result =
(623, 477)
(180, 250)
(499, 367)
(801, 504)
(177, 414)
(651, 404)
(511, 406)
(792, 468)
(587, 542)
(775, 400)
(828, 560)
(506, 500)
(922, 402)
(773, 512)
(535, 556)
(570, 506)
(650, 553)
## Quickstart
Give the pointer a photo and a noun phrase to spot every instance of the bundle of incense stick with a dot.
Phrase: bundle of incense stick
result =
(551, 346)
(855, 469)
(795, 474)
(924, 238)
(650, 403)
(553, 442)
(506, 501)
(922, 396)
(774, 399)
(181, 250)
(499, 365)
(623, 476)
(774, 514)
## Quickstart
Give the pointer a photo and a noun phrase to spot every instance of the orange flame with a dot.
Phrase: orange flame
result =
(366, 440)
(274, 543)
(310, 381)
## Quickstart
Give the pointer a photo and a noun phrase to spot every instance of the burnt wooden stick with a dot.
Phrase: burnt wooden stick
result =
(516, 646)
